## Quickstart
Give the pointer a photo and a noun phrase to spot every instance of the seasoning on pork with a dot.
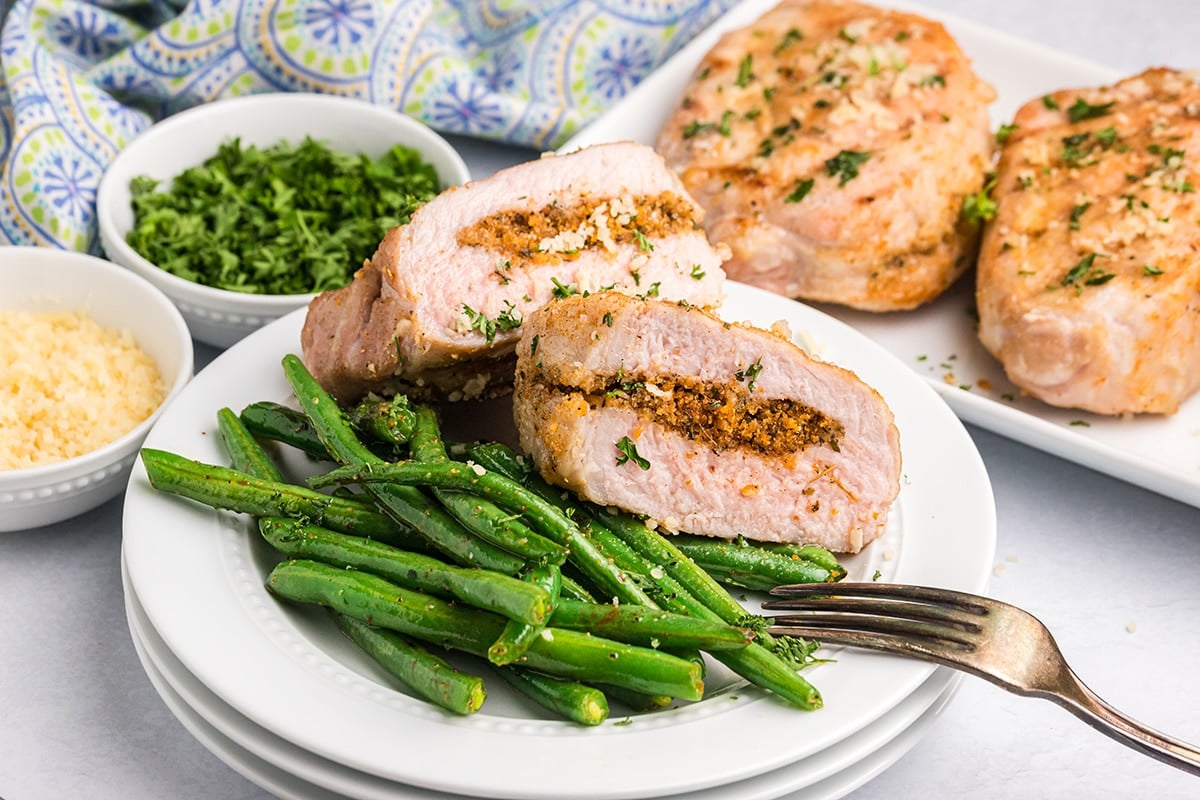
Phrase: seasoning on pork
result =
(833, 145)
(708, 427)
(438, 309)
(1088, 287)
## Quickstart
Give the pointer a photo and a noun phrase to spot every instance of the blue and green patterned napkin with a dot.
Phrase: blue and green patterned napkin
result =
(81, 78)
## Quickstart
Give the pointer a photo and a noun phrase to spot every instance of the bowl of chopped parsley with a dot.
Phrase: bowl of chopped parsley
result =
(243, 210)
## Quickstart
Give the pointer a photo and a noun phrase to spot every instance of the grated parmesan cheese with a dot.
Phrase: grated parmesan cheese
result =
(69, 386)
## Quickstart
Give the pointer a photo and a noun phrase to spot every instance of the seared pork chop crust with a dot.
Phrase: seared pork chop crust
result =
(718, 429)
(832, 146)
(1088, 286)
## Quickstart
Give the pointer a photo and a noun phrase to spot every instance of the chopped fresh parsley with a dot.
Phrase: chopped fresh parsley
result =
(933, 80)
(803, 187)
(726, 126)
(845, 165)
(627, 451)
(506, 320)
(978, 207)
(792, 36)
(1151, 271)
(1050, 103)
(749, 375)
(643, 243)
(283, 219)
(745, 72)
(698, 271)
(1085, 273)
(696, 127)
(1082, 109)
(1005, 132)
(1076, 213)
(561, 289)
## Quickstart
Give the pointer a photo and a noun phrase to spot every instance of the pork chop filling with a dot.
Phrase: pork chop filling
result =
(559, 232)
(720, 415)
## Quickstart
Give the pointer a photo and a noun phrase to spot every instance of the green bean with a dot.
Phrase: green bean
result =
(425, 673)
(521, 601)
(648, 627)
(403, 503)
(636, 701)
(283, 424)
(482, 517)
(563, 653)
(574, 590)
(514, 640)
(702, 596)
(574, 701)
(750, 567)
(388, 421)
(224, 488)
(245, 453)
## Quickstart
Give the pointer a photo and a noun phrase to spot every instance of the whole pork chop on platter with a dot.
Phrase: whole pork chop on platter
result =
(709, 427)
(834, 146)
(437, 311)
(1088, 286)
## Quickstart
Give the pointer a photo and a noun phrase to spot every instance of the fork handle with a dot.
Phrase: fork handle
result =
(1085, 704)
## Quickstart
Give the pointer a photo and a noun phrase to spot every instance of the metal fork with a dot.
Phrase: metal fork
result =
(993, 640)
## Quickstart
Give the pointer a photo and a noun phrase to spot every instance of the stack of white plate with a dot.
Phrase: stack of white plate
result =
(278, 694)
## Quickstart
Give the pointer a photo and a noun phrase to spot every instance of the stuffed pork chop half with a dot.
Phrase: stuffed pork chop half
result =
(1088, 285)
(708, 427)
(438, 309)
(833, 145)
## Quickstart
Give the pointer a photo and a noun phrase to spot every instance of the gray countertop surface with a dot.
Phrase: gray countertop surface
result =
(1109, 567)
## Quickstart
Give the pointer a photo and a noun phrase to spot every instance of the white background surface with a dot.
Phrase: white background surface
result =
(1112, 569)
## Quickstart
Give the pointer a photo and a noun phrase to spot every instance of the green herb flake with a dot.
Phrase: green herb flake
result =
(562, 290)
(1151, 271)
(283, 219)
(607, 319)
(696, 127)
(1076, 213)
(978, 207)
(726, 126)
(643, 243)
(506, 320)
(698, 272)
(750, 374)
(1050, 103)
(792, 36)
(533, 344)
(1085, 273)
(1005, 132)
(803, 187)
(745, 72)
(627, 451)
(933, 80)
(846, 36)
(1082, 109)
(1080, 423)
(845, 165)
(1107, 136)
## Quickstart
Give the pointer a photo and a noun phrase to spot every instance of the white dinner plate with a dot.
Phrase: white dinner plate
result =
(199, 575)
(289, 772)
(939, 340)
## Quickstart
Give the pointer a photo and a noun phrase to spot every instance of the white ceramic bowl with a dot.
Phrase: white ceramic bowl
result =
(43, 279)
(216, 316)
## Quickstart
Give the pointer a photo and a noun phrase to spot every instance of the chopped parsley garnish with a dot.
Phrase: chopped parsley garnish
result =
(980, 206)
(745, 72)
(627, 451)
(803, 187)
(282, 219)
(533, 345)
(1085, 273)
(1005, 132)
(846, 36)
(1076, 213)
(749, 375)
(607, 319)
(792, 36)
(1151, 271)
(834, 79)
(845, 165)
(643, 243)
(1050, 103)
(561, 289)
(1107, 136)
(698, 271)
(726, 126)
(822, 103)
(695, 127)
(933, 80)
(506, 320)
(1074, 151)
(1082, 110)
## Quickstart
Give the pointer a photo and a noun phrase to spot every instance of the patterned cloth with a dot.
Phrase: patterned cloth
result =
(82, 77)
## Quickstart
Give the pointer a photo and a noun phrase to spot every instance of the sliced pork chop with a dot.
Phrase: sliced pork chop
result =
(438, 309)
(1088, 287)
(717, 429)
(832, 145)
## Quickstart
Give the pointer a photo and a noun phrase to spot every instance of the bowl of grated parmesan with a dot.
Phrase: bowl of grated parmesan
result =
(90, 353)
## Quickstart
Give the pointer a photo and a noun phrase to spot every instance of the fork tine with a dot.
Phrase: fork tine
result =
(889, 643)
(930, 634)
(946, 597)
(890, 607)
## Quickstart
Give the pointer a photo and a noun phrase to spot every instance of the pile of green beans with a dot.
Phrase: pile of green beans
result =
(481, 556)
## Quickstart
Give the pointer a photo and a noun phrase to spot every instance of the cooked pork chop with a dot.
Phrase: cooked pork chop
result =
(717, 429)
(1089, 276)
(438, 309)
(832, 146)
